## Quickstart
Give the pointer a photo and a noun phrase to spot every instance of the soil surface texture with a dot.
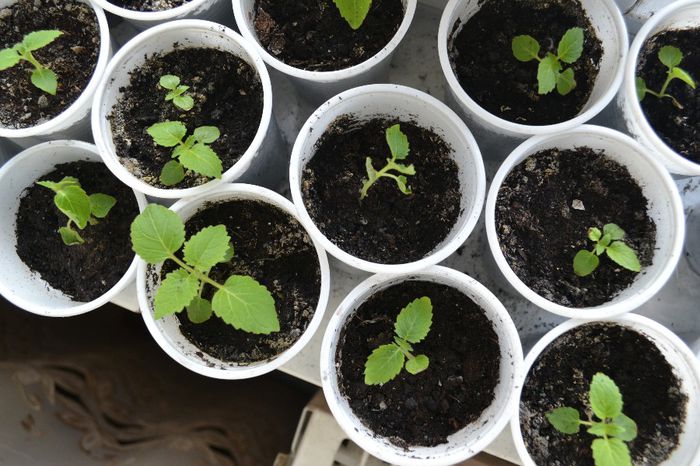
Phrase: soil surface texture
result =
(562, 374)
(273, 248)
(387, 226)
(72, 56)
(87, 271)
(227, 93)
(544, 210)
(422, 409)
(148, 5)
(678, 128)
(482, 57)
(311, 34)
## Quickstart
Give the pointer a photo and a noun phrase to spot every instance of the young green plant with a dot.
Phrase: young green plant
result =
(158, 233)
(80, 208)
(353, 11)
(177, 92)
(550, 72)
(192, 153)
(412, 326)
(41, 76)
(609, 241)
(398, 145)
(613, 429)
(671, 57)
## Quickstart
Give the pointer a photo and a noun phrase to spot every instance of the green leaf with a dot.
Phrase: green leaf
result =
(184, 102)
(565, 420)
(206, 134)
(670, 56)
(585, 262)
(628, 426)
(615, 232)
(624, 255)
(229, 254)
(70, 237)
(601, 429)
(207, 248)
(74, 203)
(571, 45)
(45, 79)
(101, 204)
(247, 305)
(683, 76)
(417, 364)
(353, 11)
(414, 321)
(157, 233)
(199, 310)
(547, 73)
(172, 173)
(169, 81)
(566, 82)
(38, 39)
(594, 234)
(383, 364)
(641, 88)
(168, 133)
(398, 142)
(605, 397)
(201, 159)
(403, 187)
(525, 48)
(604, 241)
(405, 169)
(8, 58)
(174, 293)
(611, 452)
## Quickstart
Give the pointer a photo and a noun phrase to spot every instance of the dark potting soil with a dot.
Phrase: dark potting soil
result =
(148, 5)
(227, 93)
(311, 34)
(272, 247)
(422, 409)
(678, 128)
(87, 271)
(562, 374)
(482, 57)
(72, 56)
(387, 226)
(544, 210)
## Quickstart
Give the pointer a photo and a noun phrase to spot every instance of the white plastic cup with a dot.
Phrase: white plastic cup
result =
(682, 14)
(73, 122)
(194, 9)
(685, 367)
(317, 86)
(391, 100)
(464, 443)
(665, 209)
(166, 331)
(263, 152)
(18, 283)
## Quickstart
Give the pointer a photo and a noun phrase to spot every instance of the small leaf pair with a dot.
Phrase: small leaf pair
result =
(671, 57)
(42, 77)
(177, 92)
(399, 147)
(609, 241)
(353, 11)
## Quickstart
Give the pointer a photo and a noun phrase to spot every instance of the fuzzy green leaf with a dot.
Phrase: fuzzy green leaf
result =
(184, 102)
(628, 426)
(641, 88)
(199, 310)
(398, 142)
(247, 305)
(70, 237)
(670, 56)
(172, 173)
(38, 39)
(414, 321)
(605, 397)
(601, 429)
(417, 364)
(8, 58)
(566, 82)
(615, 232)
(207, 248)
(383, 364)
(585, 262)
(624, 255)
(74, 203)
(45, 79)
(174, 293)
(101, 204)
(611, 452)
(594, 234)
(683, 76)
(168, 133)
(201, 159)
(169, 81)
(565, 420)
(571, 45)
(353, 11)
(547, 73)
(157, 233)
(525, 48)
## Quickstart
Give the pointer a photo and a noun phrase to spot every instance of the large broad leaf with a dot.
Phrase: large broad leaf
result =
(547, 74)
(45, 79)
(525, 48)
(157, 233)
(174, 293)
(247, 305)
(201, 159)
(417, 364)
(629, 428)
(398, 142)
(172, 173)
(615, 232)
(8, 58)
(353, 11)
(169, 81)
(101, 204)
(206, 134)
(168, 133)
(571, 45)
(38, 39)
(565, 420)
(605, 397)
(207, 248)
(611, 452)
(74, 203)
(383, 364)
(670, 56)
(624, 255)
(414, 321)
(585, 262)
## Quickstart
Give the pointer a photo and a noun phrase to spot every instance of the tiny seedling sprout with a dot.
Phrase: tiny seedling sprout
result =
(353, 11)
(609, 241)
(412, 326)
(42, 77)
(613, 429)
(549, 72)
(398, 145)
(177, 92)
(671, 57)
(158, 233)
(80, 208)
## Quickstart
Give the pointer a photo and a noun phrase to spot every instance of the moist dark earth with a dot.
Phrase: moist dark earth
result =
(562, 374)
(87, 271)
(482, 57)
(227, 92)
(678, 128)
(422, 409)
(148, 5)
(273, 248)
(311, 34)
(544, 210)
(72, 56)
(387, 226)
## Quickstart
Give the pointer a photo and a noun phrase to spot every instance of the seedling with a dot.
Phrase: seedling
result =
(41, 76)
(412, 326)
(549, 72)
(158, 233)
(80, 208)
(613, 429)
(177, 92)
(193, 153)
(353, 11)
(398, 145)
(671, 57)
(608, 242)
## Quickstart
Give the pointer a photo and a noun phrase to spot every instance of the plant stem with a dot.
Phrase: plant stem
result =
(201, 276)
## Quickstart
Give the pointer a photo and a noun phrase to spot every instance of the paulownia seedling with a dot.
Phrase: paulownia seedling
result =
(609, 241)
(398, 145)
(412, 326)
(671, 57)
(550, 73)
(192, 153)
(613, 429)
(158, 233)
(353, 11)
(80, 208)
(177, 92)
(42, 77)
